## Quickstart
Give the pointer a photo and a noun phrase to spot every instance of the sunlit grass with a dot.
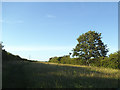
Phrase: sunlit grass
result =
(54, 75)
(99, 69)
(104, 73)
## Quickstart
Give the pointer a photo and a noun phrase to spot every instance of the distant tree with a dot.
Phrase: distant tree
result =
(70, 53)
(119, 59)
(90, 45)
(1, 46)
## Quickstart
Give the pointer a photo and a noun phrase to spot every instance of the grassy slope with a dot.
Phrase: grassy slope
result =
(49, 75)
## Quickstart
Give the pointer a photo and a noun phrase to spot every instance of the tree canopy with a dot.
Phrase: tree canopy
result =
(90, 45)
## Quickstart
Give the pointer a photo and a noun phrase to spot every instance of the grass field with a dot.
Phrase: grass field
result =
(52, 75)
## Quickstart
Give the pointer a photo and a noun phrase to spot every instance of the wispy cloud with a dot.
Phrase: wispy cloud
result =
(51, 16)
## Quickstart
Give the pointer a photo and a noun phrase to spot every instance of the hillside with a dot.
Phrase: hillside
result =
(20, 73)
(7, 56)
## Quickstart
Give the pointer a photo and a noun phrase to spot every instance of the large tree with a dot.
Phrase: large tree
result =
(90, 45)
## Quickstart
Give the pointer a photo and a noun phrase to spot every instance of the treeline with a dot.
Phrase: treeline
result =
(6, 56)
(92, 51)
(112, 61)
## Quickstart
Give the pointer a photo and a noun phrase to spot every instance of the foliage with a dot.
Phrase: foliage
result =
(54, 59)
(112, 61)
(1, 46)
(90, 45)
(7, 56)
(91, 51)
(17, 74)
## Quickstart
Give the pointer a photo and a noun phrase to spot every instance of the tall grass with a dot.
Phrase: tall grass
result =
(52, 75)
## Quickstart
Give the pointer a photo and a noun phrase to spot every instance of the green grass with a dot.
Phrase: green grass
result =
(53, 75)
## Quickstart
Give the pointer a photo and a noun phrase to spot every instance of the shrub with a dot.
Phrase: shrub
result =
(112, 61)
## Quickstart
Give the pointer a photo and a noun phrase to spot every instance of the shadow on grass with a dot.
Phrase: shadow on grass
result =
(39, 75)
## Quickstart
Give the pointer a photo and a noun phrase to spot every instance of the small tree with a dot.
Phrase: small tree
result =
(70, 53)
(1, 46)
(90, 45)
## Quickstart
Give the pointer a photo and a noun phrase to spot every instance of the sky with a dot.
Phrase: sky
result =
(41, 30)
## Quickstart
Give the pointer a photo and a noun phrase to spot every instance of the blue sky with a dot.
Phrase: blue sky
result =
(39, 30)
